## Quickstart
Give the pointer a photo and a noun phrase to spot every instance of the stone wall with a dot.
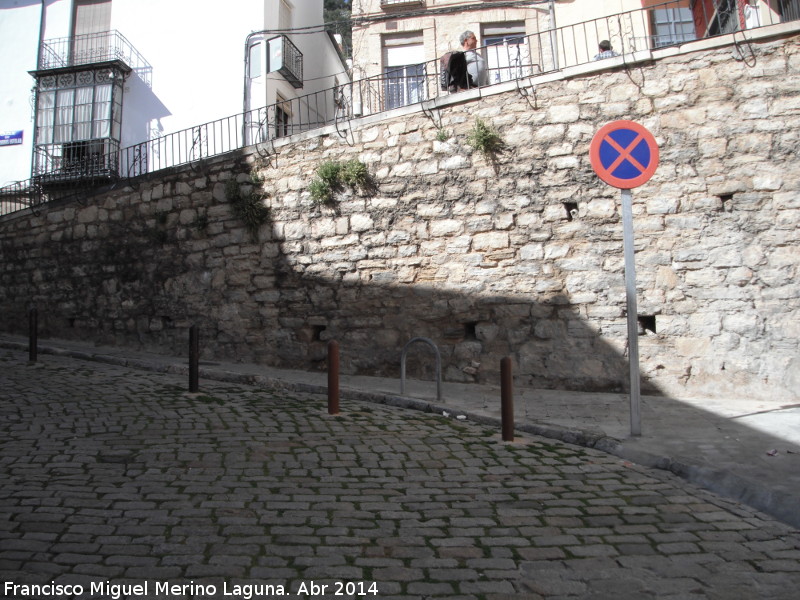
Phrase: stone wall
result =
(519, 254)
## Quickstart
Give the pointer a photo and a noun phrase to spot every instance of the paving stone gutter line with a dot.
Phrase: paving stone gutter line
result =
(780, 505)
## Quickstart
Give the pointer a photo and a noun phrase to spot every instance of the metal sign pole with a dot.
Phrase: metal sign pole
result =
(625, 154)
(630, 296)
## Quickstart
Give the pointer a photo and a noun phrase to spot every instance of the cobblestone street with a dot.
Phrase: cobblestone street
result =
(119, 483)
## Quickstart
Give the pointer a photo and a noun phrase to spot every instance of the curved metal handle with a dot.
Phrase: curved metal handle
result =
(432, 344)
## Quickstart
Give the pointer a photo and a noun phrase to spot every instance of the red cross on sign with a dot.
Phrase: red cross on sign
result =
(624, 154)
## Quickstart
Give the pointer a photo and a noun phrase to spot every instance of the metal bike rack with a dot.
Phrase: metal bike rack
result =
(431, 343)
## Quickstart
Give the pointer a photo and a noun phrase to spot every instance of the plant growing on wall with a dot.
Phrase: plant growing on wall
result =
(354, 174)
(333, 176)
(442, 135)
(485, 139)
(247, 202)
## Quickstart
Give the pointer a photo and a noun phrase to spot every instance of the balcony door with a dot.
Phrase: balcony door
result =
(403, 69)
(506, 51)
(90, 18)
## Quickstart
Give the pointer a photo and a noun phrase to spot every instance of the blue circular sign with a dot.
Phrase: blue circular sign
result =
(624, 154)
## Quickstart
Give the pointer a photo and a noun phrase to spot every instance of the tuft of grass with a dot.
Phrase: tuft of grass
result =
(485, 139)
(248, 206)
(332, 176)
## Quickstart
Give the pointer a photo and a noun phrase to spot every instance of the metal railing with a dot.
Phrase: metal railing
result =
(291, 61)
(530, 55)
(92, 48)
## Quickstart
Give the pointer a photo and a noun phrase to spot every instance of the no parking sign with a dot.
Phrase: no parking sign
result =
(625, 155)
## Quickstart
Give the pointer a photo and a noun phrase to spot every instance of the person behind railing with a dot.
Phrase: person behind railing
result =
(606, 51)
(476, 64)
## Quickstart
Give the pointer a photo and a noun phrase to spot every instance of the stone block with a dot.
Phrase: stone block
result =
(548, 133)
(490, 241)
(662, 205)
(454, 163)
(568, 113)
(445, 227)
(767, 182)
(361, 222)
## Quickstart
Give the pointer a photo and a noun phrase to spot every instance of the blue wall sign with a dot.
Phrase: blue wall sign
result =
(11, 138)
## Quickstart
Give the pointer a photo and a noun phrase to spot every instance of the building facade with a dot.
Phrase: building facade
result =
(398, 43)
(83, 79)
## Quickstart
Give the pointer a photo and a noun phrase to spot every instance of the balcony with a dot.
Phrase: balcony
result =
(391, 4)
(71, 53)
(76, 163)
(286, 59)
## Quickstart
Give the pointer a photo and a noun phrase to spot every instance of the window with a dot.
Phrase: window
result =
(77, 116)
(404, 85)
(403, 69)
(752, 17)
(90, 17)
(254, 62)
(45, 117)
(507, 54)
(283, 118)
(671, 26)
(401, 3)
(725, 18)
(790, 10)
(68, 115)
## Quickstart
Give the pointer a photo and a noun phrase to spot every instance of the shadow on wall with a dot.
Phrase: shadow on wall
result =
(143, 279)
(551, 345)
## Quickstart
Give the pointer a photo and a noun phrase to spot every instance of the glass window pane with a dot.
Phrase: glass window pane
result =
(672, 26)
(506, 56)
(255, 61)
(102, 112)
(275, 49)
(404, 85)
(83, 113)
(45, 117)
(65, 105)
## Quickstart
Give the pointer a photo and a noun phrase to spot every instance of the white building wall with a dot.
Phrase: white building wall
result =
(196, 49)
(19, 30)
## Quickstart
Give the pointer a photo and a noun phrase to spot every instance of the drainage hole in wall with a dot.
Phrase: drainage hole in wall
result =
(572, 210)
(646, 323)
(318, 329)
(726, 202)
(470, 332)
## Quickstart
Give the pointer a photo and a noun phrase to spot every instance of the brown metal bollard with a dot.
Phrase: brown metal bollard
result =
(194, 359)
(33, 335)
(507, 400)
(333, 377)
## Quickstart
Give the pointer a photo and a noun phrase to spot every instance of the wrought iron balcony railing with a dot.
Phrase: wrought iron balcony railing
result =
(287, 59)
(91, 49)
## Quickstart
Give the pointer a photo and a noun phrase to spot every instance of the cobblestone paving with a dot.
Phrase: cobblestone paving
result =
(121, 478)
